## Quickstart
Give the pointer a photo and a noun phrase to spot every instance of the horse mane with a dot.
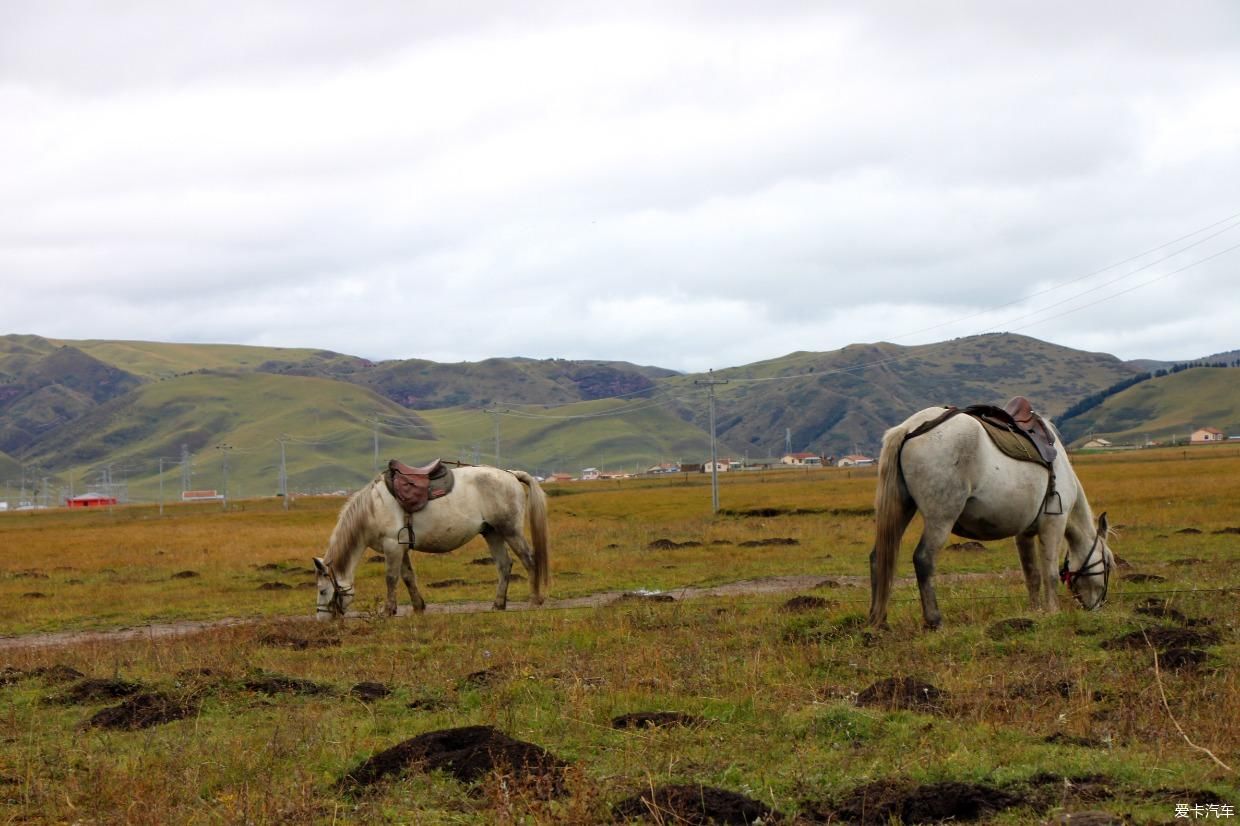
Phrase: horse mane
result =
(355, 515)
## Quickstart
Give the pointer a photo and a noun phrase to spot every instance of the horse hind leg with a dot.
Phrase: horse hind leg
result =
(932, 539)
(518, 543)
(503, 565)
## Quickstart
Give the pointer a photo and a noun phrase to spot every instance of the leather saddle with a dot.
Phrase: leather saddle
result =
(1019, 417)
(413, 487)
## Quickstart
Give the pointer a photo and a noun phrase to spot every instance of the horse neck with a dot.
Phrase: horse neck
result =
(344, 547)
(1081, 517)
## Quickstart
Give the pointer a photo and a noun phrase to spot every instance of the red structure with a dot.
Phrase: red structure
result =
(90, 500)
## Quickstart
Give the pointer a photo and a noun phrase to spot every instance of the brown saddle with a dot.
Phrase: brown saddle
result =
(1018, 415)
(413, 487)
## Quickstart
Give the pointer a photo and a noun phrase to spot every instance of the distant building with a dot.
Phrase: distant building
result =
(1096, 444)
(802, 459)
(664, 467)
(90, 500)
(692, 467)
(560, 477)
(589, 474)
(722, 466)
(201, 496)
(854, 460)
(1206, 435)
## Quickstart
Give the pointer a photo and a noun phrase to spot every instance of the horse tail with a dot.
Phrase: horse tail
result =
(890, 519)
(538, 531)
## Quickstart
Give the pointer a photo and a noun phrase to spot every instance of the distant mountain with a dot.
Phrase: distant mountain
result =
(92, 410)
(842, 401)
(1166, 408)
(45, 386)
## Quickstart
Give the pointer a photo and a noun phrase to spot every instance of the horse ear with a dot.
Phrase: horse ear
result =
(1103, 525)
(320, 566)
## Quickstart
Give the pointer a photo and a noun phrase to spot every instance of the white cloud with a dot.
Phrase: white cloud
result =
(638, 184)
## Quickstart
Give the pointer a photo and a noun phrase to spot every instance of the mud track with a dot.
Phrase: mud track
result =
(746, 587)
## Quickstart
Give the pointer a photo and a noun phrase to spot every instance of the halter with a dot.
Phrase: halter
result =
(1067, 575)
(335, 606)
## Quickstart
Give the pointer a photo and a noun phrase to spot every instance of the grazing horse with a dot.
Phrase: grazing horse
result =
(963, 484)
(484, 500)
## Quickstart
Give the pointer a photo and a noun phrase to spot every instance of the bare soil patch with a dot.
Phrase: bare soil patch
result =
(275, 586)
(1188, 531)
(671, 544)
(1165, 639)
(1180, 658)
(299, 637)
(468, 754)
(185, 575)
(482, 560)
(1186, 561)
(483, 678)
(908, 693)
(772, 542)
(1004, 629)
(638, 596)
(92, 690)
(446, 583)
(369, 692)
(143, 711)
(971, 545)
(1233, 531)
(429, 704)
(1061, 739)
(693, 804)
(806, 603)
(883, 801)
(655, 719)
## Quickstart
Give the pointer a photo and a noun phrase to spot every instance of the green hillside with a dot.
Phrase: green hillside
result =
(328, 431)
(1164, 409)
(157, 360)
(10, 470)
(841, 401)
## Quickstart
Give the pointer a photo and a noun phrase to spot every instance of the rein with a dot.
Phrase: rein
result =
(335, 606)
(1087, 569)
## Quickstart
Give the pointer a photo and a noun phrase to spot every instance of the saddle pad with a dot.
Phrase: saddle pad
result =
(1013, 443)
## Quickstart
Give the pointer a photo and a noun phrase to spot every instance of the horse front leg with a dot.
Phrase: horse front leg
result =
(503, 565)
(411, 583)
(1050, 537)
(1027, 546)
(934, 538)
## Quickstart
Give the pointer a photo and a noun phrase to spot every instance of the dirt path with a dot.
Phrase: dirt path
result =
(154, 631)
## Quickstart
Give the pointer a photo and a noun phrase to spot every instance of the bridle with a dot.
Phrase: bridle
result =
(335, 606)
(1087, 569)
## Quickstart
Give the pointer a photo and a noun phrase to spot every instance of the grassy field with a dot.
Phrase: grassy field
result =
(1003, 716)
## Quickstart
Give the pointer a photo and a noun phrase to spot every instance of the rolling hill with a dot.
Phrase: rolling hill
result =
(80, 411)
(1164, 409)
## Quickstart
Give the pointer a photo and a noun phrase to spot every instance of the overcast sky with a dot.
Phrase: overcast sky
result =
(691, 185)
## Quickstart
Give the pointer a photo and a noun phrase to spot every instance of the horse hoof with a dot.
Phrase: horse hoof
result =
(538, 600)
(501, 606)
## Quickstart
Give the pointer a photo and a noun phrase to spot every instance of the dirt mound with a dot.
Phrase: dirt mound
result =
(655, 719)
(669, 544)
(971, 545)
(368, 692)
(35, 595)
(92, 690)
(903, 693)
(1223, 531)
(1180, 658)
(185, 575)
(1190, 560)
(1003, 629)
(1164, 639)
(468, 754)
(144, 711)
(1042, 687)
(300, 637)
(1189, 531)
(54, 674)
(1155, 607)
(275, 586)
(482, 560)
(483, 678)
(882, 801)
(445, 583)
(280, 684)
(805, 603)
(767, 543)
(693, 804)
(1138, 577)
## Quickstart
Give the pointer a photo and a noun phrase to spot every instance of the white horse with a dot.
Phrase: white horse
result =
(963, 484)
(484, 500)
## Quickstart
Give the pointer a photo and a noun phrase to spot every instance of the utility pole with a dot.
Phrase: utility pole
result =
(495, 413)
(714, 454)
(283, 474)
(224, 447)
(161, 485)
(185, 469)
